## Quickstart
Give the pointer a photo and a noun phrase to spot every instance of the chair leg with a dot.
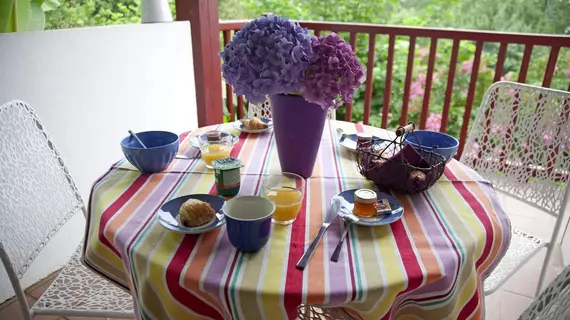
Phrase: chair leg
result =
(21, 297)
(545, 266)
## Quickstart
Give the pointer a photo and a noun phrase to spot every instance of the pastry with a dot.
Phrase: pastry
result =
(254, 124)
(194, 213)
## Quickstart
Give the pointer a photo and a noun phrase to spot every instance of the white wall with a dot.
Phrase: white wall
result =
(89, 86)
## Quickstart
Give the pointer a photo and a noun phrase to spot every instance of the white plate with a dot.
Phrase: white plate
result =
(239, 125)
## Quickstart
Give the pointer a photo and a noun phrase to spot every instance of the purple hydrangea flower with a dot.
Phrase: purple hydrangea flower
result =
(269, 55)
(334, 72)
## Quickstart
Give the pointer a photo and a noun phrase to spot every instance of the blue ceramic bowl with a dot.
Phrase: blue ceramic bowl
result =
(437, 142)
(162, 146)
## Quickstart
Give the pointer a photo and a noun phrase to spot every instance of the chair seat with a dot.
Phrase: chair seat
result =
(523, 246)
(78, 289)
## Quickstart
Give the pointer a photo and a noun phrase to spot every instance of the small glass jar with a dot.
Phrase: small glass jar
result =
(363, 140)
(213, 135)
(365, 202)
(364, 146)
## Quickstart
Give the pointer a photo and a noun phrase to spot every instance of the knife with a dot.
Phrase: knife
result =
(328, 219)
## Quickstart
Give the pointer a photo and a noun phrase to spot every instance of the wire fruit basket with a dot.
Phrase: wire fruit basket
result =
(397, 166)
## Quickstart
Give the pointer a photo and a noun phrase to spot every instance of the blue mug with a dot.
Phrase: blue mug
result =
(248, 222)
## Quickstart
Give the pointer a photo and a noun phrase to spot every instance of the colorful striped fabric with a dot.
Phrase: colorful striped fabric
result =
(429, 265)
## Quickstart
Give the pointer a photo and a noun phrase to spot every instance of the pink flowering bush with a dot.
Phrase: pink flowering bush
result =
(433, 122)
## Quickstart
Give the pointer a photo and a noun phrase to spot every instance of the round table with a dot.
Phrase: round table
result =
(428, 265)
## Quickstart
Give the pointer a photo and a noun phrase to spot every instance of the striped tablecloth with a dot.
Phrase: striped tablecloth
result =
(429, 265)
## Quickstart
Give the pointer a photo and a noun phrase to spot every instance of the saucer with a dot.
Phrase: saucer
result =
(168, 212)
(239, 125)
(378, 220)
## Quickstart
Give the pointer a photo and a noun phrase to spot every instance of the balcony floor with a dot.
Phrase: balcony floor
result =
(507, 303)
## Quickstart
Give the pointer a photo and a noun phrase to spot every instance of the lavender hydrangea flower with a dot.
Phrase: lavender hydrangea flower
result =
(269, 55)
(333, 74)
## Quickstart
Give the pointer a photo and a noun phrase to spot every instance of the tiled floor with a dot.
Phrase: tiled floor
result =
(10, 310)
(518, 292)
(507, 303)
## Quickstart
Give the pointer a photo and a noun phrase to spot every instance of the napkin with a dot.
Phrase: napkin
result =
(341, 206)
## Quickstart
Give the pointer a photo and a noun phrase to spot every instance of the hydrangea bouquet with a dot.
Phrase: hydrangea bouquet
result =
(272, 55)
(303, 76)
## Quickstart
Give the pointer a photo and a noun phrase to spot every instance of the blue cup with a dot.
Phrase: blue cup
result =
(248, 222)
(161, 147)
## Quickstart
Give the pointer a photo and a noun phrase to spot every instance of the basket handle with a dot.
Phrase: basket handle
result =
(405, 129)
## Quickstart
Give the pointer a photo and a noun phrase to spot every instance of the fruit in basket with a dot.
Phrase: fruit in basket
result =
(377, 162)
(417, 180)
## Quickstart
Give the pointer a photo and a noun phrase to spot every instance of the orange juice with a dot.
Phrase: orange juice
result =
(287, 203)
(215, 151)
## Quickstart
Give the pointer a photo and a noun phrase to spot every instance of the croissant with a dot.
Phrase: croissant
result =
(254, 124)
(194, 213)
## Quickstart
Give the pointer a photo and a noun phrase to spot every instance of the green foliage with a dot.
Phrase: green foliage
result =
(230, 10)
(24, 15)
(84, 13)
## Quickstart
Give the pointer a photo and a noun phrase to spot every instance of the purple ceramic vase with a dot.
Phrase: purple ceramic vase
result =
(298, 128)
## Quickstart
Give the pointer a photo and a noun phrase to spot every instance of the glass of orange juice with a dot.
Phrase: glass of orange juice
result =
(286, 190)
(217, 149)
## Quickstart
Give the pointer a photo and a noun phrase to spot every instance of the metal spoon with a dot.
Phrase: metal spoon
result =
(349, 219)
(134, 135)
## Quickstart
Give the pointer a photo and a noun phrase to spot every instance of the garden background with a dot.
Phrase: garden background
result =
(528, 16)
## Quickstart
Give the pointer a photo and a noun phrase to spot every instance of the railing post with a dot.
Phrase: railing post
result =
(205, 30)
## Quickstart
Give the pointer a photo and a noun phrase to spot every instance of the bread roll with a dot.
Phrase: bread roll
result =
(254, 124)
(195, 213)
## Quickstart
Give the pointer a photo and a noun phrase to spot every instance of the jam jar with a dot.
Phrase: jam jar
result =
(365, 202)
(364, 146)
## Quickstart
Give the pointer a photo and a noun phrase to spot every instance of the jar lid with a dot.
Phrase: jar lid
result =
(365, 196)
(363, 136)
(227, 164)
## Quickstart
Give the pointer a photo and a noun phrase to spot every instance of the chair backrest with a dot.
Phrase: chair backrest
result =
(263, 110)
(554, 301)
(37, 193)
(520, 141)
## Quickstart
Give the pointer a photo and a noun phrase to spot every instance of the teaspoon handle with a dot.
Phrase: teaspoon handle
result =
(338, 248)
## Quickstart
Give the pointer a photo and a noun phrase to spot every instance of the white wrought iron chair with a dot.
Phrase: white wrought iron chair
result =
(520, 141)
(554, 302)
(263, 110)
(37, 197)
